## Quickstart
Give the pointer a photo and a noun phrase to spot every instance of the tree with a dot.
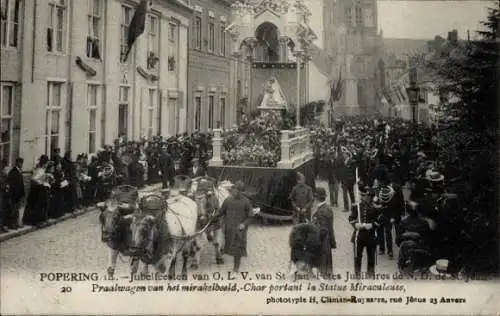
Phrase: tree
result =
(467, 77)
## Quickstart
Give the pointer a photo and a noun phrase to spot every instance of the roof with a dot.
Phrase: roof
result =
(400, 47)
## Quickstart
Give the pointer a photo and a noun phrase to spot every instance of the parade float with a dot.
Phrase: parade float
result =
(264, 155)
(270, 41)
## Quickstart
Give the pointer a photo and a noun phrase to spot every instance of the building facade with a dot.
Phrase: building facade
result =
(66, 84)
(353, 43)
(209, 97)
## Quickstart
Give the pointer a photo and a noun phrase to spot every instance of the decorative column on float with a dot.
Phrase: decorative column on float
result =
(217, 149)
(285, 150)
(298, 57)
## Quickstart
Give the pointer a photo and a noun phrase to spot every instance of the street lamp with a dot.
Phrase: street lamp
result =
(412, 92)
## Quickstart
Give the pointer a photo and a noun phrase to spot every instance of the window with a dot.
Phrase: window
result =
(151, 111)
(172, 32)
(123, 110)
(174, 115)
(94, 29)
(197, 32)
(348, 16)
(57, 23)
(6, 111)
(223, 39)
(10, 22)
(197, 113)
(53, 116)
(172, 45)
(211, 112)
(223, 112)
(93, 106)
(211, 35)
(359, 15)
(125, 24)
(152, 58)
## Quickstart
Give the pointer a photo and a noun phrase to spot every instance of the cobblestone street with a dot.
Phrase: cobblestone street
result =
(75, 245)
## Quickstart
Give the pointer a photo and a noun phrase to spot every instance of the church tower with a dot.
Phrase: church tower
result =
(351, 40)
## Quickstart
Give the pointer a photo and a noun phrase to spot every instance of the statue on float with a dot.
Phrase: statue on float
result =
(273, 96)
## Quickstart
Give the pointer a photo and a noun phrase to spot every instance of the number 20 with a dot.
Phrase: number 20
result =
(66, 289)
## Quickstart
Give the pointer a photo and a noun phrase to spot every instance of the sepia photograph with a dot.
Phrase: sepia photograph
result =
(249, 157)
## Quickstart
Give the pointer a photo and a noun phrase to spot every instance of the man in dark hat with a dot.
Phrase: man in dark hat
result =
(323, 219)
(302, 198)
(167, 168)
(413, 223)
(390, 201)
(365, 222)
(15, 193)
(237, 213)
(136, 172)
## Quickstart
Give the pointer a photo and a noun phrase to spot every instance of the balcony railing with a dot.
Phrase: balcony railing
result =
(295, 148)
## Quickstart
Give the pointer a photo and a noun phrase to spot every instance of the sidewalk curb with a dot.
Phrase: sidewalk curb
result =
(77, 213)
(50, 222)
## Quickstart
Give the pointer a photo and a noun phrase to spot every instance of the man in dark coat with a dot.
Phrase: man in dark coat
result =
(333, 179)
(347, 175)
(167, 169)
(323, 219)
(302, 198)
(136, 172)
(390, 201)
(237, 214)
(3, 197)
(196, 170)
(365, 226)
(15, 193)
(70, 191)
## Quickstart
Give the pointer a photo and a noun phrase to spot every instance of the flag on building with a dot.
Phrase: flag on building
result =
(336, 90)
(403, 93)
(137, 25)
(386, 97)
(394, 91)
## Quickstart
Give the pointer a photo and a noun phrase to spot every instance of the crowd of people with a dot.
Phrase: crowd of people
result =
(60, 185)
(384, 158)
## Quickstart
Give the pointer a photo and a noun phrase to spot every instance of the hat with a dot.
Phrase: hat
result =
(320, 193)
(440, 268)
(434, 176)
(43, 159)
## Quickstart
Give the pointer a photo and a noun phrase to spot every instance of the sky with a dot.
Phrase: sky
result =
(416, 19)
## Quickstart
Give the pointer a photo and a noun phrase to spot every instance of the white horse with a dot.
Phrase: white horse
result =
(161, 237)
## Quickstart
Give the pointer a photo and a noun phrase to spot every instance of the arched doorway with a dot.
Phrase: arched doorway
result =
(268, 43)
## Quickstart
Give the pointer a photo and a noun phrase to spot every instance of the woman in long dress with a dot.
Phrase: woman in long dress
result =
(56, 204)
(37, 204)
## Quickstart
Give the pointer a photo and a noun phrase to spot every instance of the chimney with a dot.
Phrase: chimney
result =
(453, 36)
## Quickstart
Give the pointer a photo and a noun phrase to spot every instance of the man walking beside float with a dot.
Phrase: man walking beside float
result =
(237, 213)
